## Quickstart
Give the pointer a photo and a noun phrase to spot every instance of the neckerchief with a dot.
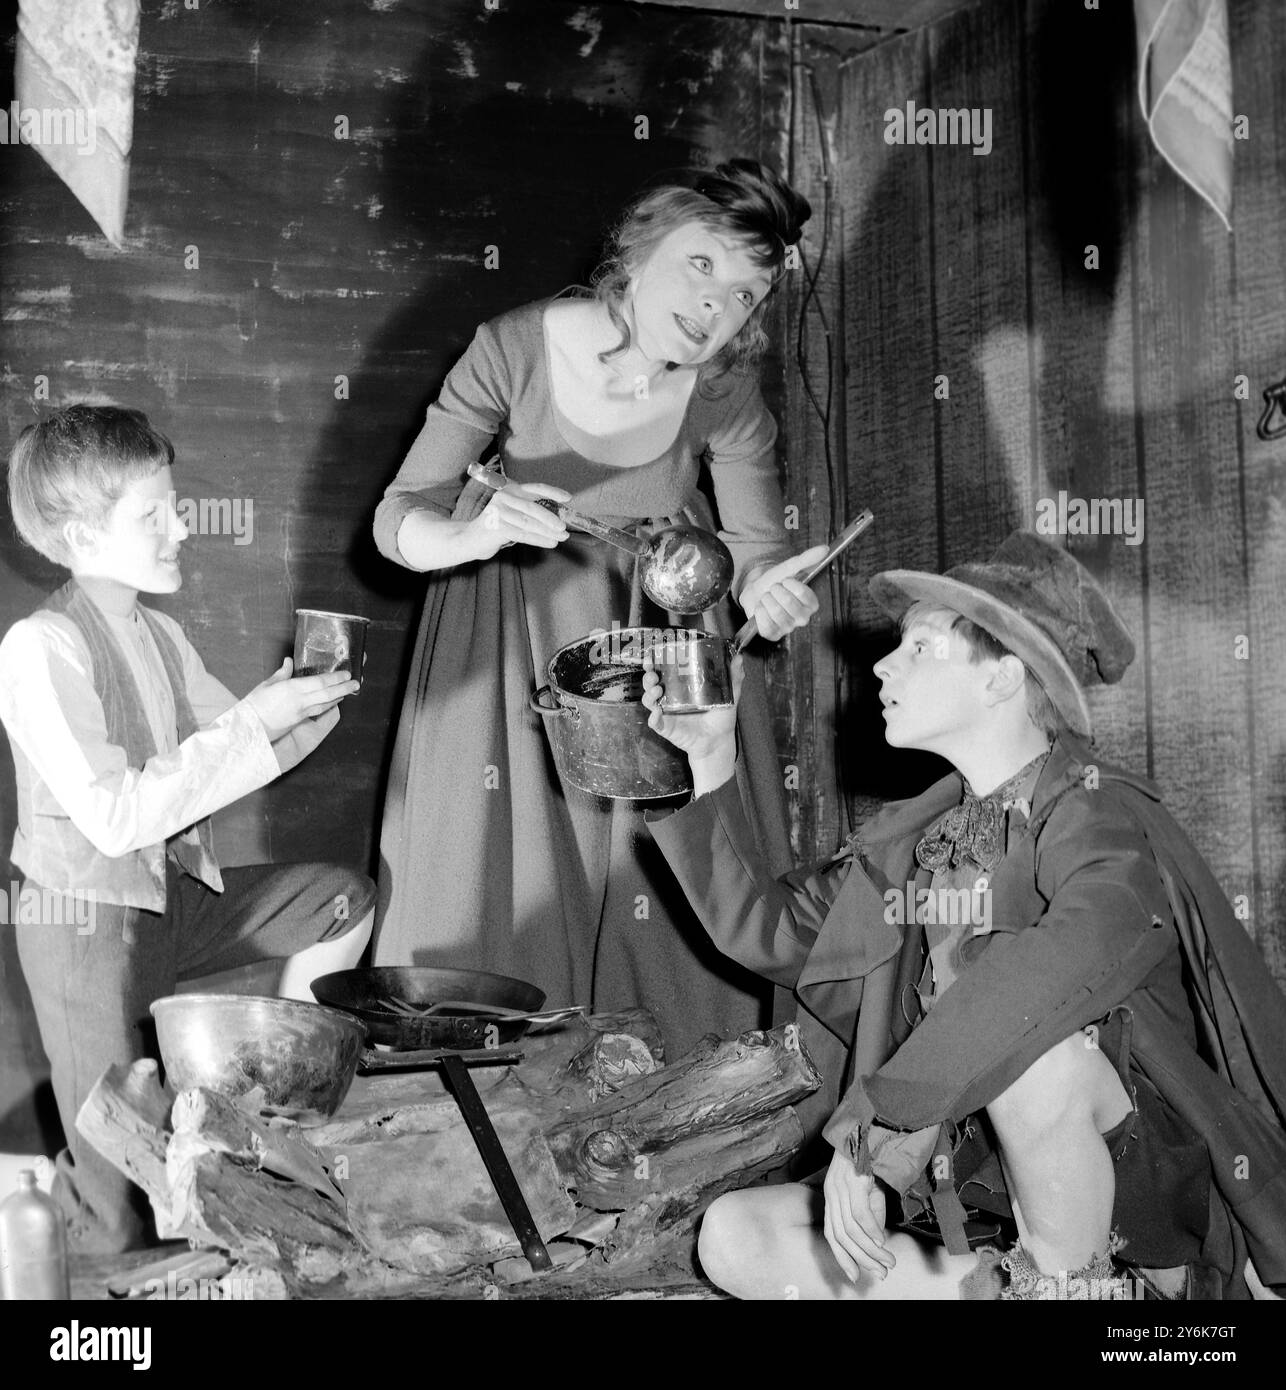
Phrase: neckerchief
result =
(974, 831)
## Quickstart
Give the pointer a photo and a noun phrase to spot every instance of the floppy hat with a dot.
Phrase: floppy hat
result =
(1039, 601)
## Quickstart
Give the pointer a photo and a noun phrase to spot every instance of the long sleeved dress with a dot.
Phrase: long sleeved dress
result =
(487, 859)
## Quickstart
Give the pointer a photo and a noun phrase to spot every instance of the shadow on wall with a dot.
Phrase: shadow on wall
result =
(1076, 134)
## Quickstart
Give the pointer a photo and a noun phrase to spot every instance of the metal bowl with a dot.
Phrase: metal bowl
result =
(280, 1056)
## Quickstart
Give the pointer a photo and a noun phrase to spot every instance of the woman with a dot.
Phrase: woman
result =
(609, 402)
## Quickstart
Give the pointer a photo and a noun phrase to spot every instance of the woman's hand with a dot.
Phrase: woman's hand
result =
(283, 701)
(854, 1226)
(513, 516)
(778, 601)
(708, 737)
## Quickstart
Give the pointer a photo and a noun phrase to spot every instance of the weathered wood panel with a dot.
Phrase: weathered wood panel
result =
(893, 354)
(886, 15)
(1199, 712)
(815, 466)
(980, 291)
(1259, 256)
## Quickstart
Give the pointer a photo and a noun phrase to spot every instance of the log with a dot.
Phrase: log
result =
(263, 1219)
(126, 1118)
(203, 1120)
(671, 1198)
(419, 1212)
(720, 1085)
(425, 1202)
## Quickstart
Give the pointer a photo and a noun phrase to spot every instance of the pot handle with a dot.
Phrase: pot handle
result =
(552, 711)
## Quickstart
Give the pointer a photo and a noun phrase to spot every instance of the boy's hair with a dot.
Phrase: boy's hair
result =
(982, 647)
(74, 466)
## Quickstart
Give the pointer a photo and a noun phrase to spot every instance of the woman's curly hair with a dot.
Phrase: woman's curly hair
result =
(740, 198)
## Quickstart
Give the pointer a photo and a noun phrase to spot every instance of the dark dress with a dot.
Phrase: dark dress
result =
(487, 859)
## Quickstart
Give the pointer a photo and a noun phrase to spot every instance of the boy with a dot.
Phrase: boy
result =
(1069, 1028)
(123, 746)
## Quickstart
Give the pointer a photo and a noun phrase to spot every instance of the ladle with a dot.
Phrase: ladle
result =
(683, 569)
(846, 537)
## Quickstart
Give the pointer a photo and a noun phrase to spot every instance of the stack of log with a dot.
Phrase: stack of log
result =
(616, 1154)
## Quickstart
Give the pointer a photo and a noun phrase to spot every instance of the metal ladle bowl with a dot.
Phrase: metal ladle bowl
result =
(682, 569)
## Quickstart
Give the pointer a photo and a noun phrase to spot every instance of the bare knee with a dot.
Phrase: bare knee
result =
(726, 1241)
(1071, 1085)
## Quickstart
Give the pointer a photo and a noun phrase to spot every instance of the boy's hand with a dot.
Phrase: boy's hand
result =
(709, 737)
(777, 600)
(283, 701)
(854, 1226)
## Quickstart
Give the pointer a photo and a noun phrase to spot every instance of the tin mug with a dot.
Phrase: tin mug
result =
(329, 642)
(695, 669)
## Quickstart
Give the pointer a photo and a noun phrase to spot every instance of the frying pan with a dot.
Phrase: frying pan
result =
(364, 993)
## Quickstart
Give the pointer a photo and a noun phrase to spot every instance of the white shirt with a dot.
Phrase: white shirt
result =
(52, 713)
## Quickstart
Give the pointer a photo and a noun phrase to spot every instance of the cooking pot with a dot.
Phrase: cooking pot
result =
(597, 723)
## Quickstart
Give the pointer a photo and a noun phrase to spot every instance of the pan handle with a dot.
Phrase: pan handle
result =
(460, 1084)
(550, 711)
(413, 1060)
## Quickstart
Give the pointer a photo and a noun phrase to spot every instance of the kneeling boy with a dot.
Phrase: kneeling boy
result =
(123, 746)
(1093, 1048)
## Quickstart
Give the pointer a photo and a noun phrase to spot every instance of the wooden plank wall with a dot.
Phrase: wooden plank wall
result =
(264, 258)
(1117, 381)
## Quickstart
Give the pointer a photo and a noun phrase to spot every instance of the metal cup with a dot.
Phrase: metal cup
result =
(695, 669)
(329, 642)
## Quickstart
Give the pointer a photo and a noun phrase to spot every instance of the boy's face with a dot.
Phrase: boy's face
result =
(139, 545)
(933, 694)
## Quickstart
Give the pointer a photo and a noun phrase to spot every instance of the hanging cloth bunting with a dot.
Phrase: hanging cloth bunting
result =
(74, 88)
(1185, 87)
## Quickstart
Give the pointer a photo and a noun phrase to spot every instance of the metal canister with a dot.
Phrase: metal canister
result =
(33, 1244)
(329, 642)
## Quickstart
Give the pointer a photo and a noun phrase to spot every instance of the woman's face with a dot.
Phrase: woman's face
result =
(694, 294)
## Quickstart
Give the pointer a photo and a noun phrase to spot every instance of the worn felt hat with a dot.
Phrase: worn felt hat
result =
(1039, 601)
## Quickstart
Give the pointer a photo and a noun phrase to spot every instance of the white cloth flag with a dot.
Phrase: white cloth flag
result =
(1185, 88)
(74, 83)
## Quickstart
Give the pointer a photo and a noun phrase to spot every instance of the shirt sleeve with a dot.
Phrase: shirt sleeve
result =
(767, 924)
(468, 412)
(53, 714)
(210, 699)
(1107, 926)
(743, 468)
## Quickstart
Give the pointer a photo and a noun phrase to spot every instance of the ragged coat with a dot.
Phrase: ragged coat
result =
(1087, 903)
